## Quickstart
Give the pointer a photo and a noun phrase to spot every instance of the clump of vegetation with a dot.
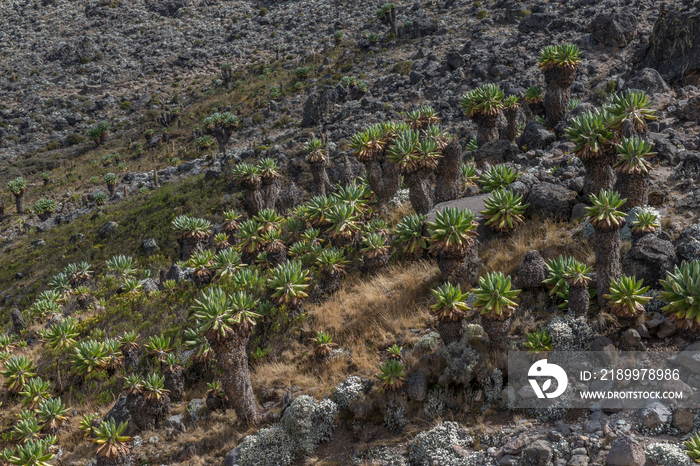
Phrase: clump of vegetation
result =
(559, 64)
(43, 208)
(17, 188)
(99, 132)
(484, 105)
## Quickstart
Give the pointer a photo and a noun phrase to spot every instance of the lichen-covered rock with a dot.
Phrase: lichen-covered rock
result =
(304, 425)
(429, 342)
(667, 454)
(197, 409)
(309, 422)
(570, 334)
(269, 447)
(461, 360)
(348, 391)
(441, 445)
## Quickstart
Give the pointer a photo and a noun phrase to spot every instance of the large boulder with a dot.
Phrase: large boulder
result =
(538, 453)
(305, 424)
(615, 29)
(442, 445)
(318, 106)
(535, 136)
(495, 152)
(650, 259)
(473, 203)
(653, 414)
(688, 243)
(688, 111)
(107, 230)
(423, 27)
(674, 47)
(551, 201)
(690, 358)
(149, 246)
(625, 451)
(536, 22)
(648, 80)
(120, 413)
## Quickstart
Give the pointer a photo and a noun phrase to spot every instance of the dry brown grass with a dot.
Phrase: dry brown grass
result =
(550, 238)
(365, 317)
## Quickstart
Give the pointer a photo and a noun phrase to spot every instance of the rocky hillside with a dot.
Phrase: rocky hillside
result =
(273, 233)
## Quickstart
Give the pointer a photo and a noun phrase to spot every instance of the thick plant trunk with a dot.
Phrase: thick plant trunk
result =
(271, 193)
(222, 136)
(131, 360)
(275, 258)
(120, 460)
(148, 414)
(448, 175)
(634, 188)
(497, 331)
(331, 283)
(420, 191)
(215, 402)
(374, 265)
(189, 246)
(321, 182)
(627, 322)
(232, 358)
(463, 269)
(384, 178)
(487, 128)
(579, 300)
(450, 331)
(512, 126)
(557, 95)
(111, 188)
(535, 109)
(348, 175)
(607, 260)
(253, 201)
(17, 321)
(556, 101)
(175, 384)
(19, 203)
(599, 175)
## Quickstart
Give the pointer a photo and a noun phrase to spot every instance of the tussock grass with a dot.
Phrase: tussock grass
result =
(550, 238)
(365, 317)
